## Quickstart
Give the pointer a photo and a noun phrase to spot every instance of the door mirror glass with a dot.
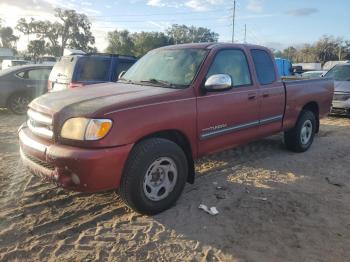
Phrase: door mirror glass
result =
(218, 82)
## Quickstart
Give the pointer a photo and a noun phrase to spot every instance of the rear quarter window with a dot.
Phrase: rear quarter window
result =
(264, 66)
(93, 69)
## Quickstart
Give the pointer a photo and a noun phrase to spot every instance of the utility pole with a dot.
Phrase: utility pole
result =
(233, 21)
(245, 33)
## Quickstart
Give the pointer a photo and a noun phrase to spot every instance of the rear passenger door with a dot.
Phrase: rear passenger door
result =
(271, 93)
(228, 118)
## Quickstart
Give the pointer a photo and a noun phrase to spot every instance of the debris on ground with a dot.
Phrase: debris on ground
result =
(212, 211)
(260, 198)
(333, 183)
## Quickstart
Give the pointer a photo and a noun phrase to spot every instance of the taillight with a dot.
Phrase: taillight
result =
(49, 85)
(74, 85)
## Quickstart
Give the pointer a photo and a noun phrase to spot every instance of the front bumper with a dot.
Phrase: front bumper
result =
(341, 107)
(79, 169)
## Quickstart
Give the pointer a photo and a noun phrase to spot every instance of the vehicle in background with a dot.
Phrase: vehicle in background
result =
(313, 74)
(176, 104)
(47, 60)
(341, 99)
(330, 64)
(79, 70)
(13, 62)
(20, 84)
(309, 66)
(284, 67)
(5, 53)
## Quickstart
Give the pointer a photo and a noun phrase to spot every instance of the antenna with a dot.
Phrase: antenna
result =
(245, 33)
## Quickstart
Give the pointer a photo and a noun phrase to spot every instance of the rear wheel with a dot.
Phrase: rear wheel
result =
(300, 138)
(18, 103)
(154, 176)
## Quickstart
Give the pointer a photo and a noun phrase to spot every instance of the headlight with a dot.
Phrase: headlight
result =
(80, 128)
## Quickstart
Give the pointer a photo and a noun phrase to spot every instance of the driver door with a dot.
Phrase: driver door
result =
(231, 117)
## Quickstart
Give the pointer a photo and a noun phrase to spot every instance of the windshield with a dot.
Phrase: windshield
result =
(339, 73)
(176, 67)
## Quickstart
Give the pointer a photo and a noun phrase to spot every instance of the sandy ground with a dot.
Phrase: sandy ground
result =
(274, 206)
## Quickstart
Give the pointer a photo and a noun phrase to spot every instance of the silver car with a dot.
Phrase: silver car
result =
(341, 99)
(20, 84)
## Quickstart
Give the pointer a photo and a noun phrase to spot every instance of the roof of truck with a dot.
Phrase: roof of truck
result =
(210, 45)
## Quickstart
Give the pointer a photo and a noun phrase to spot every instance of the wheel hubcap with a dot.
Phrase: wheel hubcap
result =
(160, 179)
(306, 132)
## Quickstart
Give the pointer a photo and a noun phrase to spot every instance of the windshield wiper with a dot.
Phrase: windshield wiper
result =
(162, 83)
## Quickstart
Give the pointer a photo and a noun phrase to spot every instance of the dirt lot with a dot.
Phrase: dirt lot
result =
(274, 206)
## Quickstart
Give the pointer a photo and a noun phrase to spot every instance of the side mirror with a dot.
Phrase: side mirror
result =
(219, 82)
(121, 74)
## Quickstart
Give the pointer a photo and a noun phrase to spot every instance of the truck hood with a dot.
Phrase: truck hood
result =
(102, 98)
(342, 86)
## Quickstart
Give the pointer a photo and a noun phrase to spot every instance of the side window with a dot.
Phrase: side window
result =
(234, 63)
(123, 66)
(38, 74)
(264, 66)
(93, 69)
(23, 74)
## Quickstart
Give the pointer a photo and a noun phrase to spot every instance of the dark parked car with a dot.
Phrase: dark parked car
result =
(21, 84)
(78, 70)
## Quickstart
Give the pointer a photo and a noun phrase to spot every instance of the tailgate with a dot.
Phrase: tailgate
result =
(62, 73)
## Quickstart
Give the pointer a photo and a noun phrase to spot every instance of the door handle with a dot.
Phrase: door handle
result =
(251, 96)
(265, 95)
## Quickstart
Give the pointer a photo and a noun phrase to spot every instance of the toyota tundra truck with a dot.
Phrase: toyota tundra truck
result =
(178, 103)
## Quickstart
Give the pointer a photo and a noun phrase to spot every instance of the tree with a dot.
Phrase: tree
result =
(36, 48)
(120, 42)
(72, 30)
(7, 38)
(190, 34)
(126, 43)
(146, 41)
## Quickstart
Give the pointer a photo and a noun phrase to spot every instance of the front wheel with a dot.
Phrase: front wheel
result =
(154, 176)
(300, 138)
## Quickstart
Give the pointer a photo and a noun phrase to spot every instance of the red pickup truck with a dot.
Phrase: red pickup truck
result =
(142, 134)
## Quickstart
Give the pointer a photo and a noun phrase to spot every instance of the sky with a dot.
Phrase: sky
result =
(273, 23)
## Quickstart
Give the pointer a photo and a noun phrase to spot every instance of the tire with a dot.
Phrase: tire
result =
(300, 138)
(18, 103)
(149, 163)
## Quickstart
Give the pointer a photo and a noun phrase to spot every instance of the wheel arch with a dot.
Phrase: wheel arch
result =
(314, 108)
(181, 140)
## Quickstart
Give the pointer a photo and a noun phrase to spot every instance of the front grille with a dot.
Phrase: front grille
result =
(341, 96)
(39, 162)
(40, 124)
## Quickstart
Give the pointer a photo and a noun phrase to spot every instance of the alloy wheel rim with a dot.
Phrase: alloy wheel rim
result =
(306, 132)
(20, 104)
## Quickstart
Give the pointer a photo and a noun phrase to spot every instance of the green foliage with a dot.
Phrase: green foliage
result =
(327, 48)
(37, 48)
(7, 38)
(120, 42)
(126, 43)
(72, 30)
(181, 34)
